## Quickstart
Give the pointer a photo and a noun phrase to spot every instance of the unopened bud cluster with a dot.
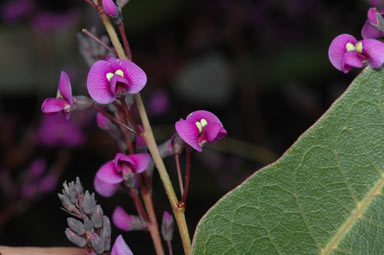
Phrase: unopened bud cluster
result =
(92, 229)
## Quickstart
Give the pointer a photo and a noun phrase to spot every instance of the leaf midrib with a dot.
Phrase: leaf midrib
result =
(359, 210)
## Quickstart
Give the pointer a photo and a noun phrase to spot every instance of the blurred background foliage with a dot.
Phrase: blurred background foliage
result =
(261, 66)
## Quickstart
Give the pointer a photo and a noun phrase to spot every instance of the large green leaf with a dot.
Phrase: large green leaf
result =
(324, 195)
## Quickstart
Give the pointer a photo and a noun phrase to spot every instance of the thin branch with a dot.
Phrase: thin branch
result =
(96, 39)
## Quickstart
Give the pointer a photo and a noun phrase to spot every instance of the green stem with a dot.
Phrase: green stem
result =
(152, 146)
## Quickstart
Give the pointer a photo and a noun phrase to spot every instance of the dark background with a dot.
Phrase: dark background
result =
(261, 66)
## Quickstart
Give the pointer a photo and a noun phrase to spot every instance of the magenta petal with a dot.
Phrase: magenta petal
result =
(372, 15)
(103, 188)
(370, 32)
(65, 87)
(117, 79)
(120, 247)
(108, 173)
(121, 219)
(98, 84)
(110, 8)
(202, 114)
(337, 49)
(352, 59)
(374, 50)
(214, 132)
(139, 161)
(189, 132)
(53, 105)
(135, 75)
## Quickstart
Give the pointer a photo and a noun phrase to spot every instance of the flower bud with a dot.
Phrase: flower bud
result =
(79, 241)
(97, 217)
(110, 8)
(167, 226)
(76, 226)
(97, 243)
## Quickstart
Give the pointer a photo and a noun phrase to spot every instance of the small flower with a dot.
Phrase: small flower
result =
(345, 52)
(110, 8)
(63, 101)
(122, 167)
(374, 26)
(114, 77)
(103, 188)
(200, 127)
(120, 247)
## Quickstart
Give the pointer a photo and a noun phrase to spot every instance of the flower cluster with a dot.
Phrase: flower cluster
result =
(346, 52)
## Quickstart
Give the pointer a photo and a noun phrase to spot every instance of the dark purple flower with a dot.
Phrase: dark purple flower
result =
(122, 166)
(63, 101)
(103, 188)
(371, 28)
(114, 77)
(120, 247)
(345, 52)
(57, 131)
(200, 127)
(110, 8)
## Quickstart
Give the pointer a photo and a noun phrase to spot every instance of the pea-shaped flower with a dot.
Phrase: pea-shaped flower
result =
(199, 128)
(120, 247)
(374, 26)
(122, 167)
(108, 79)
(63, 101)
(345, 53)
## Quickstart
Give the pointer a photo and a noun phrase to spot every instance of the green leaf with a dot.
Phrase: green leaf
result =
(323, 196)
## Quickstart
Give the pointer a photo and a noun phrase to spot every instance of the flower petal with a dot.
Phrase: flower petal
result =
(135, 75)
(98, 84)
(202, 114)
(374, 50)
(65, 87)
(108, 173)
(103, 188)
(110, 8)
(352, 59)
(53, 105)
(189, 132)
(115, 80)
(370, 32)
(337, 49)
(214, 132)
(121, 219)
(120, 247)
(138, 161)
(372, 15)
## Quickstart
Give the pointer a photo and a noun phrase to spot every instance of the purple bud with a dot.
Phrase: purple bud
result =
(97, 243)
(120, 247)
(110, 8)
(87, 203)
(88, 225)
(106, 233)
(167, 226)
(97, 217)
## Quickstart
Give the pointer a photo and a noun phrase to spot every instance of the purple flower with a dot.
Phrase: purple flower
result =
(114, 77)
(102, 121)
(110, 8)
(345, 52)
(121, 219)
(371, 28)
(57, 131)
(103, 188)
(200, 127)
(120, 247)
(122, 166)
(63, 101)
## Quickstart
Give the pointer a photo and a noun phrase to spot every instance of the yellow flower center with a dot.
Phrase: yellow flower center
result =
(118, 72)
(357, 47)
(200, 124)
